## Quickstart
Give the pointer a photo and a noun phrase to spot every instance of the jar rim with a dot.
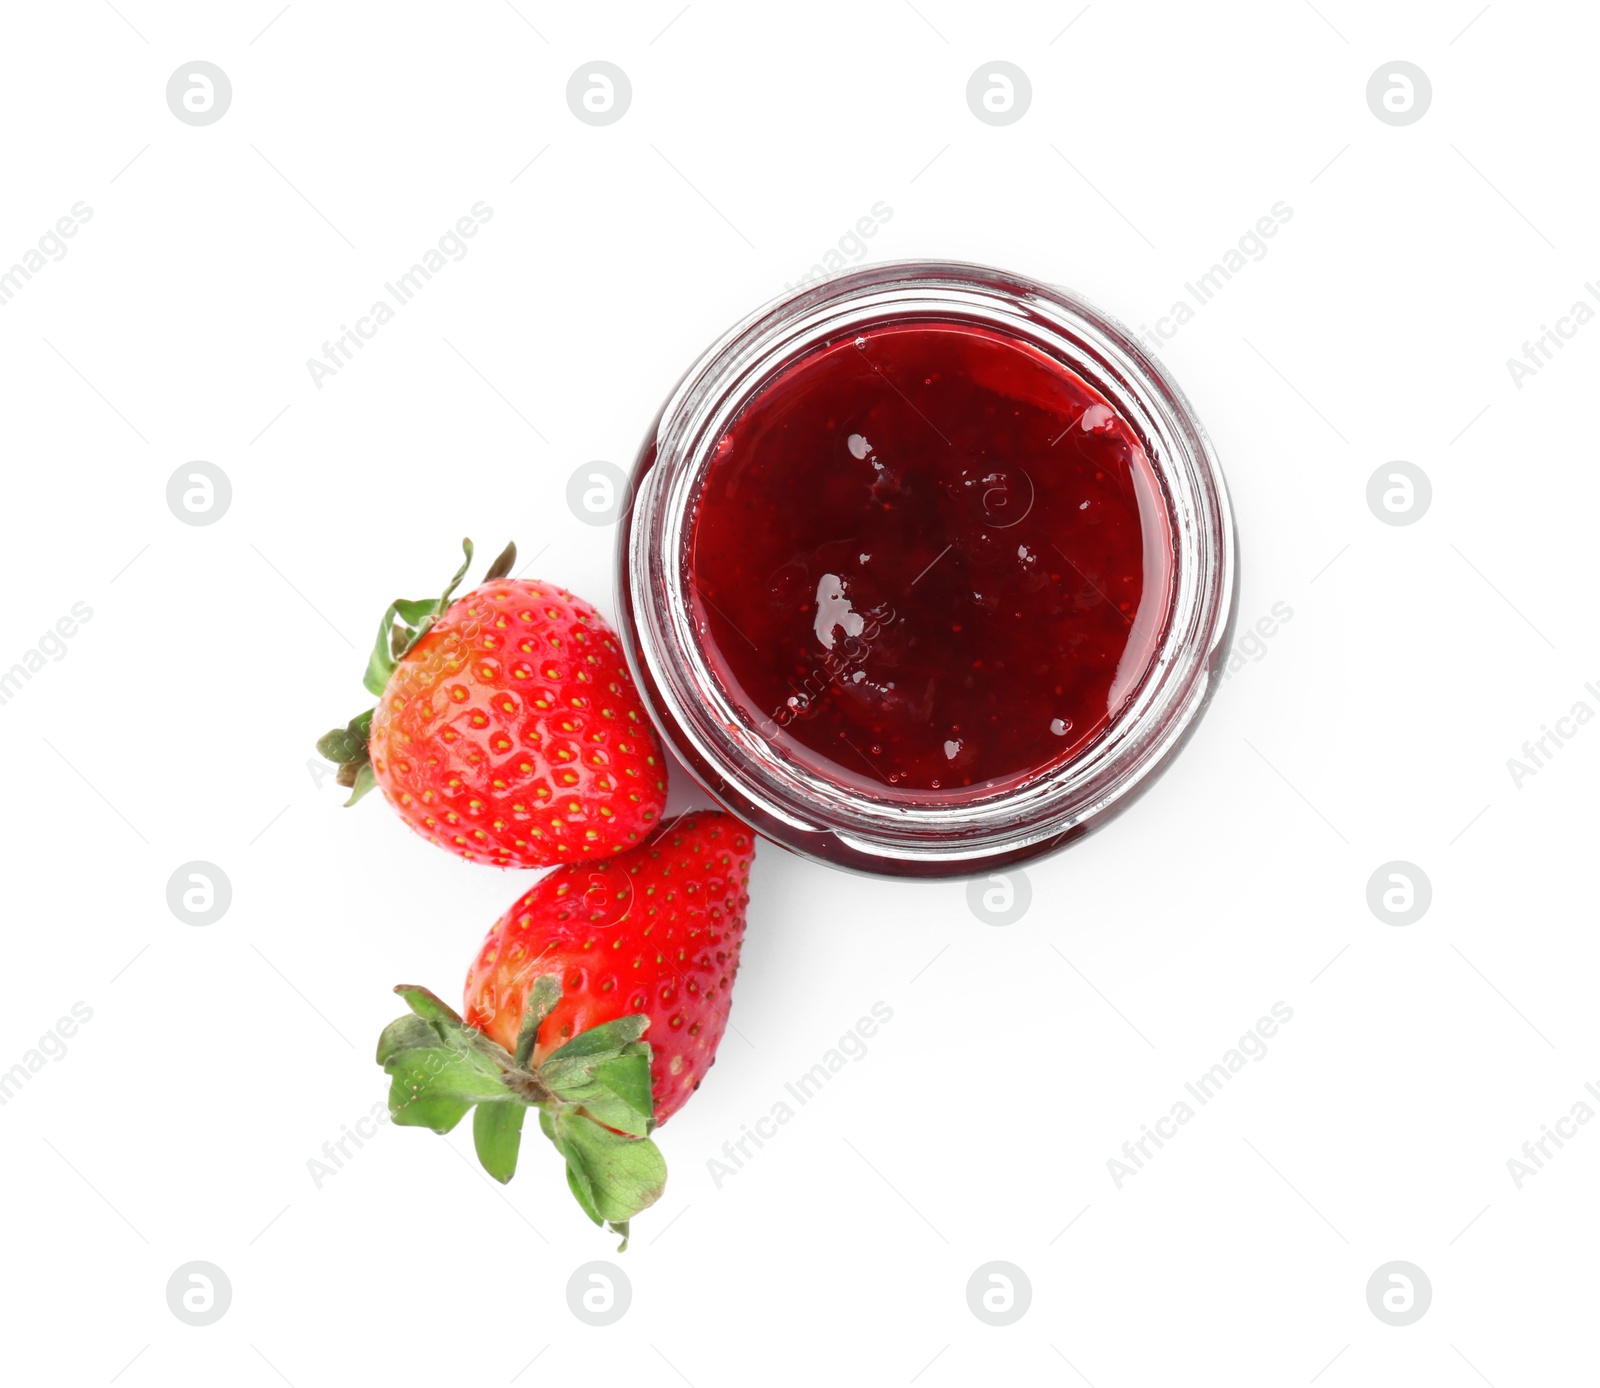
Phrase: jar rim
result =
(921, 833)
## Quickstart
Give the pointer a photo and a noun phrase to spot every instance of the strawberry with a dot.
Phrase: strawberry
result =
(655, 932)
(558, 999)
(508, 729)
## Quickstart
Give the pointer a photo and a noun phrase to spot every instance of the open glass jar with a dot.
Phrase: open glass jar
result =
(929, 568)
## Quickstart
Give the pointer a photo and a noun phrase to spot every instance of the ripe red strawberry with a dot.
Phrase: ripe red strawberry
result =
(507, 729)
(557, 1001)
(653, 932)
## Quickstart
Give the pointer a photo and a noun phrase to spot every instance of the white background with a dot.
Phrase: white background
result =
(1376, 725)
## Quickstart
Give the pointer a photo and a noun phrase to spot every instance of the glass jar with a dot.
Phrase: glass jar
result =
(746, 754)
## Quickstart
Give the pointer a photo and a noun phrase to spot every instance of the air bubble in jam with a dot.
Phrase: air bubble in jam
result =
(1020, 575)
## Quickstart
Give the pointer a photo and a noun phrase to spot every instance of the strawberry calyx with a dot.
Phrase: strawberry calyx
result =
(346, 748)
(405, 623)
(593, 1096)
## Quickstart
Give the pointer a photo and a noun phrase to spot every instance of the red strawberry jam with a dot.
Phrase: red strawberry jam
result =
(931, 557)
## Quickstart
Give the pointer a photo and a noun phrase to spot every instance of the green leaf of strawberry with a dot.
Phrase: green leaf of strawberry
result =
(606, 1072)
(503, 564)
(406, 1033)
(421, 1074)
(541, 1001)
(613, 1177)
(427, 1005)
(347, 748)
(360, 783)
(593, 1096)
(497, 1134)
(348, 743)
(415, 616)
(612, 1088)
(439, 1112)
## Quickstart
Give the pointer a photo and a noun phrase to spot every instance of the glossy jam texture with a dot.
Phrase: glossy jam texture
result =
(930, 558)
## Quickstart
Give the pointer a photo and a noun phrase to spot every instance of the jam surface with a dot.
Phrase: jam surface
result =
(930, 558)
